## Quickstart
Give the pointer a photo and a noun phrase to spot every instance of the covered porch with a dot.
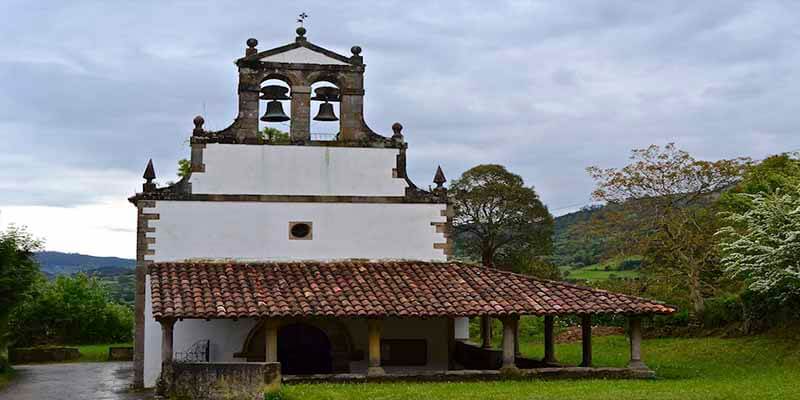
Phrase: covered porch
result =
(337, 321)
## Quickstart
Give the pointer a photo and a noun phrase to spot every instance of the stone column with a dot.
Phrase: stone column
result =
(249, 90)
(549, 340)
(486, 332)
(509, 331)
(270, 340)
(374, 335)
(635, 332)
(300, 128)
(586, 340)
(167, 329)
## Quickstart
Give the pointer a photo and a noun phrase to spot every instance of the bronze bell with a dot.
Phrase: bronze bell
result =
(275, 112)
(326, 112)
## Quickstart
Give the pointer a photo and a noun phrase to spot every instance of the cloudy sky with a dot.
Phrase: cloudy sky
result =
(90, 90)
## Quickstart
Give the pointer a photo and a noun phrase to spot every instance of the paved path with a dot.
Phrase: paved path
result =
(97, 381)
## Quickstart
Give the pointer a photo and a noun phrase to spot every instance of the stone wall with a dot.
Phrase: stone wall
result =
(220, 380)
(48, 354)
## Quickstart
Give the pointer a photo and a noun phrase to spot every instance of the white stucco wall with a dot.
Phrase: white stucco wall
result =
(298, 170)
(302, 55)
(260, 231)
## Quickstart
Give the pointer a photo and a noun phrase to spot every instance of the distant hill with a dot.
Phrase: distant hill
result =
(58, 263)
(572, 245)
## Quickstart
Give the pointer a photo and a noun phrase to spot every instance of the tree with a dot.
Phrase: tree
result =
(777, 172)
(762, 245)
(71, 309)
(18, 272)
(661, 206)
(498, 217)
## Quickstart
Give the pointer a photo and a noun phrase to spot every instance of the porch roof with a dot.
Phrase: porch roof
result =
(209, 290)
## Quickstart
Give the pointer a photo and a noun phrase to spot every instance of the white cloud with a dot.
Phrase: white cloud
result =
(103, 229)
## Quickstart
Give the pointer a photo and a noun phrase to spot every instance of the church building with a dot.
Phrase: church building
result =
(316, 250)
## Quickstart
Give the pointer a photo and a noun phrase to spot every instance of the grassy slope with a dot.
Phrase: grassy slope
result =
(708, 368)
(598, 272)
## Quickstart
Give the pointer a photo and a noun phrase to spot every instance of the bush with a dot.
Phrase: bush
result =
(722, 311)
(74, 310)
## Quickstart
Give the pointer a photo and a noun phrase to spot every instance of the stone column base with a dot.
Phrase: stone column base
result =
(375, 371)
(637, 364)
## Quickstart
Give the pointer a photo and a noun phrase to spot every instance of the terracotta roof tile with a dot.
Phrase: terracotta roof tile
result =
(371, 289)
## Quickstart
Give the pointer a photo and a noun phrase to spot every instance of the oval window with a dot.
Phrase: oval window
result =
(300, 230)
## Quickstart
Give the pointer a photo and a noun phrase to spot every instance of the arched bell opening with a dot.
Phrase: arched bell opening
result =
(275, 101)
(325, 100)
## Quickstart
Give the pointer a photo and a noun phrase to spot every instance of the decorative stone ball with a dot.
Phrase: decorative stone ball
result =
(356, 50)
(252, 42)
(301, 31)
(198, 121)
(396, 128)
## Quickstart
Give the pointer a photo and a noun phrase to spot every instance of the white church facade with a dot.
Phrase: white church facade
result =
(319, 253)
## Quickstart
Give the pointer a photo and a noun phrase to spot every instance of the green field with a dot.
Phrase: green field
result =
(600, 271)
(96, 352)
(762, 367)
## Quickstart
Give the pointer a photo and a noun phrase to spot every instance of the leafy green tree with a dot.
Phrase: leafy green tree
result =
(498, 218)
(274, 135)
(762, 244)
(184, 168)
(71, 309)
(777, 172)
(661, 206)
(18, 273)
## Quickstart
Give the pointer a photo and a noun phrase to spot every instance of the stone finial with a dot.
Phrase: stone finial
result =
(356, 57)
(149, 175)
(397, 128)
(301, 34)
(198, 125)
(251, 47)
(439, 178)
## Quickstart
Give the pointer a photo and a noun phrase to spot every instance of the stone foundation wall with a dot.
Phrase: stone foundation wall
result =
(49, 354)
(124, 353)
(214, 381)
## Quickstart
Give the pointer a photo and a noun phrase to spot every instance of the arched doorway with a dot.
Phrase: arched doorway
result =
(335, 332)
(304, 349)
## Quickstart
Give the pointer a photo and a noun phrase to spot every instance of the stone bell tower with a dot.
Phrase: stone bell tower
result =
(300, 65)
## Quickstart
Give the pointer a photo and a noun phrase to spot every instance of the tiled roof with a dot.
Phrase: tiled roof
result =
(370, 289)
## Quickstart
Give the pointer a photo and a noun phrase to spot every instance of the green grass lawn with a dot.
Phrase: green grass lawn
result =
(762, 367)
(96, 352)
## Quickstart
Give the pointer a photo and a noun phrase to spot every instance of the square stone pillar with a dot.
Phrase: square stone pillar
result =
(271, 340)
(509, 331)
(300, 127)
(450, 331)
(549, 340)
(167, 330)
(635, 333)
(586, 340)
(374, 337)
(486, 332)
